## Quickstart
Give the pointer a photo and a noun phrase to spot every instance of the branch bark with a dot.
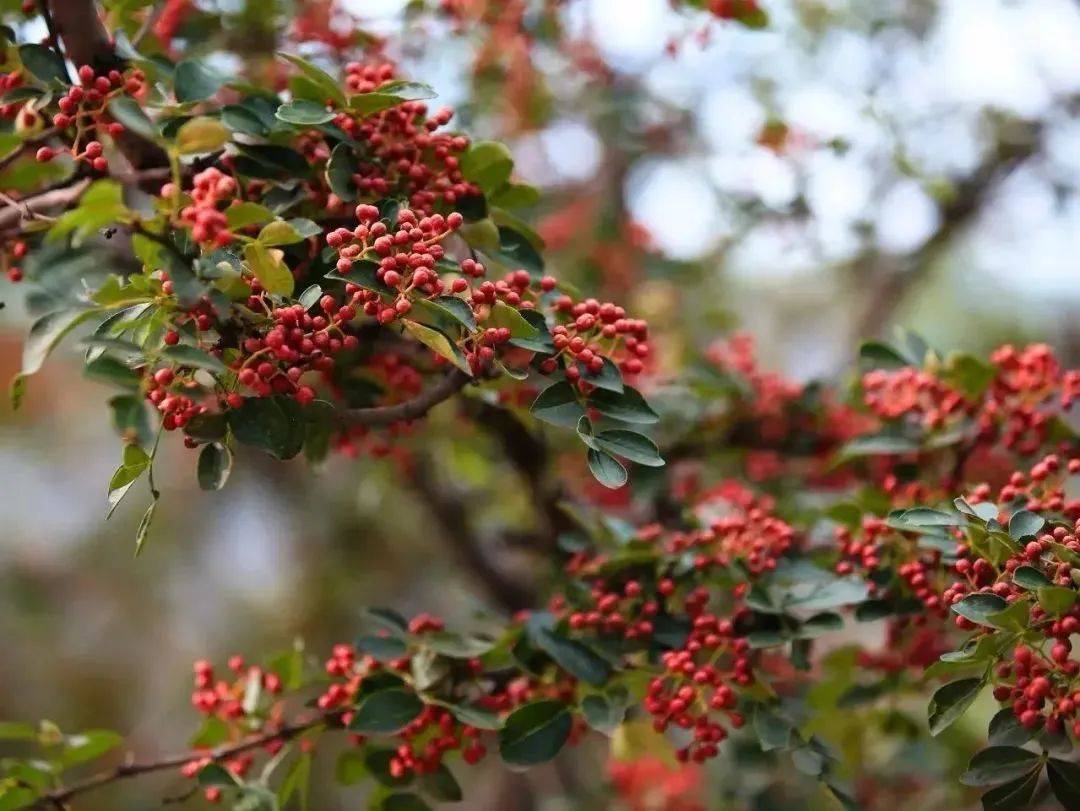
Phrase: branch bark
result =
(59, 797)
(449, 509)
(412, 409)
(888, 279)
(87, 42)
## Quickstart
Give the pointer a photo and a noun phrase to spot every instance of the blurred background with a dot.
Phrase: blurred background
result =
(855, 165)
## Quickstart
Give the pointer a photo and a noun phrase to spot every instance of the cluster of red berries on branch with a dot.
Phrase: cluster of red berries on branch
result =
(84, 108)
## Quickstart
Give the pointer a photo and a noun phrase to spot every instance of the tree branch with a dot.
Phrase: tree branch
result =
(412, 409)
(87, 42)
(58, 797)
(453, 519)
(887, 279)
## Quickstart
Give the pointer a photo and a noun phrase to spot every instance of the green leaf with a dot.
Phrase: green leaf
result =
(45, 334)
(609, 377)
(184, 355)
(1011, 796)
(114, 372)
(442, 785)
(88, 746)
(215, 462)
(195, 80)
(304, 113)
(516, 195)
(214, 774)
(979, 607)
(457, 646)
(488, 164)
(998, 764)
(877, 445)
(1056, 600)
(389, 95)
(473, 716)
(558, 404)
(630, 445)
(269, 269)
(626, 406)
(505, 316)
(573, 656)
(383, 648)
(437, 343)
(880, 355)
(279, 232)
(386, 711)
(44, 63)
(950, 701)
(200, 135)
(602, 714)
(606, 469)
(1064, 781)
(247, 213)
(13, 731)
(773, 731)
(1030, 578)
(125, 110)
(339, 172)
(459, 309)
(534, 733)
(143, 530)
(1025, 524)
(1013, 618)
(135, 463)
(320, 78)
(296, 782)
(272, 424)
(519, 250)
(926, 517)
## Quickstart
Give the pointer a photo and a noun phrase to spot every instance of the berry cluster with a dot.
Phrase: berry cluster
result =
(210, 189)
(83, 107)
(404, 155)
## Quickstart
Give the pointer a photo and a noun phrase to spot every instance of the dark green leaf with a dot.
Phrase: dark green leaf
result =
(573, 656)
(215, 462)
(998, 764)
(602, 714)
(44, 63)
(950, 701)
(195, 80)
(558, 404)
(1011, 796)
(183, 355)
(442, 785)
(386, 711)
(978, 607)
(627, 406)
(630, 445)
(339, 172)
(534, 733)
(606, 469)
(1064, 781)
(1025, 524)
(272, 424)
(1030, 578)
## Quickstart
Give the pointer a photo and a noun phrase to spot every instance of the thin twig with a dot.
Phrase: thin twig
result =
(412, 409)
(58, 797)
